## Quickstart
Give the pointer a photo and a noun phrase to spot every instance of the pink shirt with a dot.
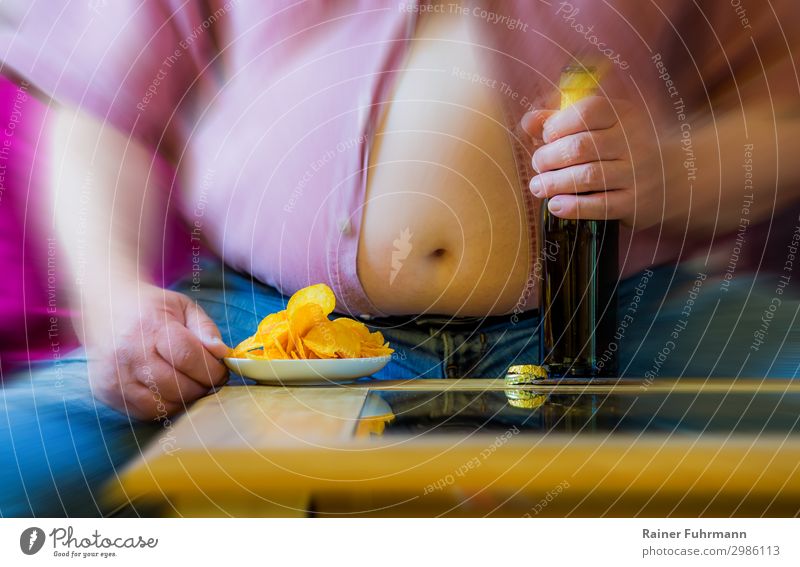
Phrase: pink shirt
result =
(268, 108)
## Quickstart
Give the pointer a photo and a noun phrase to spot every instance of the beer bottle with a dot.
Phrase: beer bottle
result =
(580, 270)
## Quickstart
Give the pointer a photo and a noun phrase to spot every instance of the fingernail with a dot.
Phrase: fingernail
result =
(548, 134)
(554, 205)
(530, 114)
(536, 186)
(533, 164)
(212, 340)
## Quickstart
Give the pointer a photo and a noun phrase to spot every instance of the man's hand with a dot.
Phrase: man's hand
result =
(599, 160)
(153, 351)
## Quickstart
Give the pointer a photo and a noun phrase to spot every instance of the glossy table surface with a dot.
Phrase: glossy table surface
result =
(475, 447)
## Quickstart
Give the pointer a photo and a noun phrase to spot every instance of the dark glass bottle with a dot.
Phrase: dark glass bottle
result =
(580, 269)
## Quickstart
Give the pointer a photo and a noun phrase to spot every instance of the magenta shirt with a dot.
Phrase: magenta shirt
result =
(266, 109)
(34, 321)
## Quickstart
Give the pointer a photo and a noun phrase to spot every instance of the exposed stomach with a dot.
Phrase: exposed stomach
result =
(444, 227)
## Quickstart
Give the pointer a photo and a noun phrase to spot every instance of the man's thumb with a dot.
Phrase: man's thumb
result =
(202, 327)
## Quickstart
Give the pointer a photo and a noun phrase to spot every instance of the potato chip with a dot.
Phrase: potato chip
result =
(348, 343)
(318, 294)
(257, 354)
(368, 351)
(272, 350)
(300, 322)
(375, 339)
(372, 344)
(329, 340)
(303, 331)
(279, 333)
(357, 326)
(243, 347)
(269, 322)
(275, 348)
(320, 340)
(305, 317)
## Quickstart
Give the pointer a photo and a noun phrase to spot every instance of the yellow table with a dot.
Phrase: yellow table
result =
(274, 451)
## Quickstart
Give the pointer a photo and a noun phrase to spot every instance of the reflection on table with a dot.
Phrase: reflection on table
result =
(478, 447)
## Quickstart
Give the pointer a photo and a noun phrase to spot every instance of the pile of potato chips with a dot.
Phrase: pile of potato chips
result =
(303, 330)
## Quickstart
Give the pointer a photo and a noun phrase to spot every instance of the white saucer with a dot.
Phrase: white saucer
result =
(306, 372)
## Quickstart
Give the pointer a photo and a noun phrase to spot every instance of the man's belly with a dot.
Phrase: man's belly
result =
(444, 226)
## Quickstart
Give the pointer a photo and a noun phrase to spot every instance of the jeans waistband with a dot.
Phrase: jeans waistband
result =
(448, 321)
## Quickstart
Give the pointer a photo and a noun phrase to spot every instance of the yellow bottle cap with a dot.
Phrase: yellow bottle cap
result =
(577, 82)
(524, 374)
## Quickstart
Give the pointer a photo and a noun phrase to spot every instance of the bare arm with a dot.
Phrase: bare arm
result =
(151, 350)
(104, 205)
(746, 169)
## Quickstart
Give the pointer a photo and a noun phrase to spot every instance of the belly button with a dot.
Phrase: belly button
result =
(438, 253)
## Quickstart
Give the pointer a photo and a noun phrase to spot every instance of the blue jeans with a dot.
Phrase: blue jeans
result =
(58, 446)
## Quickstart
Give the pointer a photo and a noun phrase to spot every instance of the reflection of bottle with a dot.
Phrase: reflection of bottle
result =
(580, 274)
